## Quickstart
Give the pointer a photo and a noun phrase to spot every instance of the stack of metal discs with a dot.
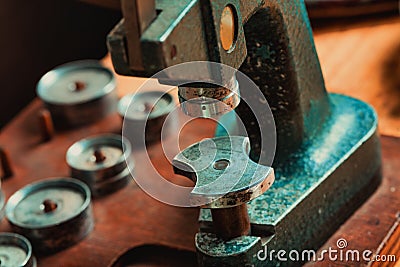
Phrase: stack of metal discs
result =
(78, 93)
(15, 251)
(144, 115)
(53, 213)
(103, 162)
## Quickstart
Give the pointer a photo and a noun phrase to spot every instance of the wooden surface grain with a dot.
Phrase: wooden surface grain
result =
(360, 60)
(125, 219)
(363, 60)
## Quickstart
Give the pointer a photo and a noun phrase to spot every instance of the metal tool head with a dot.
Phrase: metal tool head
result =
(212, 102)
(225, 176)
(147, 42)
(155, 35)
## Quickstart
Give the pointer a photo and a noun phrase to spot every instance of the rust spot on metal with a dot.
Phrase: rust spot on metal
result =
(232, 222)
(99, 156)
(49, 206)
(149, 108)
(78, 86)
(174, 52)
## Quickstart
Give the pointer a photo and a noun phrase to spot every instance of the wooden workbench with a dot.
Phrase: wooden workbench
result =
(361, 60)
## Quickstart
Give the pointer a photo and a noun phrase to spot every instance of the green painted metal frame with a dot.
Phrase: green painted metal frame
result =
(328, 153)
(316, 189)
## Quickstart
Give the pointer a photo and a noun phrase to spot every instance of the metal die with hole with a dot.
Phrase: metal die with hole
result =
(16, 251)
(144, 116)
(78, 93)
(103, 162)
(53, 213)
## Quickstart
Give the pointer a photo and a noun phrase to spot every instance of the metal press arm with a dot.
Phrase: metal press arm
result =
(272, 44)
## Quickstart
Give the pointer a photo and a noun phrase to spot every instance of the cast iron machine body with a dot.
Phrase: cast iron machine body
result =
(327, 158)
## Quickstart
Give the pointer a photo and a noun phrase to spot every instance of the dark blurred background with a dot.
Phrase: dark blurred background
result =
(36, 36)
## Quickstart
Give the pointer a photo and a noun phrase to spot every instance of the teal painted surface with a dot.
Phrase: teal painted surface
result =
(215, 247)
(350, 124)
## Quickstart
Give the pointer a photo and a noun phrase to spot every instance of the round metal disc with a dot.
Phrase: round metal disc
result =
(25, 208)
(15, 251)
(145, 105)
(75, 83)
(114, 149)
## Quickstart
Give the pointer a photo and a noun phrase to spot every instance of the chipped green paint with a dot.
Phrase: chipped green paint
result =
(238, 183)
(265, 52)
(215, 247)
(316, 184)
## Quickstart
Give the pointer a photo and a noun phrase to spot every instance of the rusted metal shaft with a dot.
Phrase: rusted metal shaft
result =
(231, 222)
